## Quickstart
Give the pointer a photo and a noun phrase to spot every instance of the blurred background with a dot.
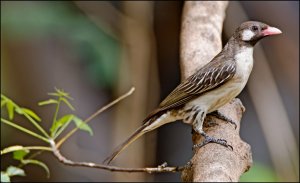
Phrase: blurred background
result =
(97, 51)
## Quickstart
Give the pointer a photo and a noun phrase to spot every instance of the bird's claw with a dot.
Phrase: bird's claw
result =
(232, 122)
(209, 139)
(221, 116)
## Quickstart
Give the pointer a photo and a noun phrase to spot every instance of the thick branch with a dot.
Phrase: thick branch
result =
(200, 42)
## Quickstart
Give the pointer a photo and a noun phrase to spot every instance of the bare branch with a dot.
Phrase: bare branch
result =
(95, 114)
(160, 169)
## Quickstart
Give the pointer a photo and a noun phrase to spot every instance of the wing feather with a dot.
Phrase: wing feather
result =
(212, 75)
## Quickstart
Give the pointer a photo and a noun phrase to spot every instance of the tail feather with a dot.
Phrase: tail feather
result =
(139, 132)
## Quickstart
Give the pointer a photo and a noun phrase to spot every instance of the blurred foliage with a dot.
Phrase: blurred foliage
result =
(59, 124)
(97, 50)
(10, 172)
(259, 173)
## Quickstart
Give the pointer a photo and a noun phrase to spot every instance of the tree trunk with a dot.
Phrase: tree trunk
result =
(200, 41)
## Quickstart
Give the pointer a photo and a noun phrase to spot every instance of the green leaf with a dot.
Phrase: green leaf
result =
(39, 163)
(10, 109)
(19, 110)
(4, 177)
(3, 102)
(11, 148)
(54, 94)
(3, 96)
(81, 125)
(60, 93)
(65, 119)
(46, 102)
(68, 103)
(12, 171)
(31, 113)
(20, 154)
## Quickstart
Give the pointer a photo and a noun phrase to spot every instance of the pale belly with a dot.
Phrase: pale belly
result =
(216, 98)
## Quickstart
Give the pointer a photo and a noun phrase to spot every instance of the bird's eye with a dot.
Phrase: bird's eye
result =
(254, 28)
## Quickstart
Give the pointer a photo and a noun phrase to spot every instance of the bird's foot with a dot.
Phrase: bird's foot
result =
(208, 139)
(221, 116)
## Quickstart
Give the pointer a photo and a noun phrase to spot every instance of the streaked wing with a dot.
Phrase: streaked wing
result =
(212, 75)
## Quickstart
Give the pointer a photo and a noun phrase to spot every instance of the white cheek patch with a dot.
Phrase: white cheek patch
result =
(247, 35)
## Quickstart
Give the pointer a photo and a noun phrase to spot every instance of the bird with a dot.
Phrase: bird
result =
(209, 88)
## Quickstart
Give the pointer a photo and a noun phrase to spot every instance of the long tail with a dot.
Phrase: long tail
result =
(139, 132)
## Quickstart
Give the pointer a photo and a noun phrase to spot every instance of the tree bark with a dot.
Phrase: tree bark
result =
(200, 41)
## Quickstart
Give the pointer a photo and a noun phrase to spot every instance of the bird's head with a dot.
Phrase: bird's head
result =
(252, 31)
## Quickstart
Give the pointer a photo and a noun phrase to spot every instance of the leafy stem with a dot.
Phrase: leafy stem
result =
(17, 148)
(24, 130)
(22, 111)
(55, 116)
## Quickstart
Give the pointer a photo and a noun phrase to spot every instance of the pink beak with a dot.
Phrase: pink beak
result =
(271, 31)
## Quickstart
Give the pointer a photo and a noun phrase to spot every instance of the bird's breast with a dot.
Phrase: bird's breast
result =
(244, 64)
(216, 98)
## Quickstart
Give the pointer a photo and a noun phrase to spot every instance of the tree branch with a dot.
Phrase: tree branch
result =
(54, 147)
(160, 169)
(200, 41)
(95, 114)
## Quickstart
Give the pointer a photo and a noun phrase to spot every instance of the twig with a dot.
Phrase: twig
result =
(95, 114)
(14, 148)
(159, 169)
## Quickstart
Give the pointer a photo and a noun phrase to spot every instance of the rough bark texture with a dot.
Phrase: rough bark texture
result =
(201, 28)
(200, 42)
